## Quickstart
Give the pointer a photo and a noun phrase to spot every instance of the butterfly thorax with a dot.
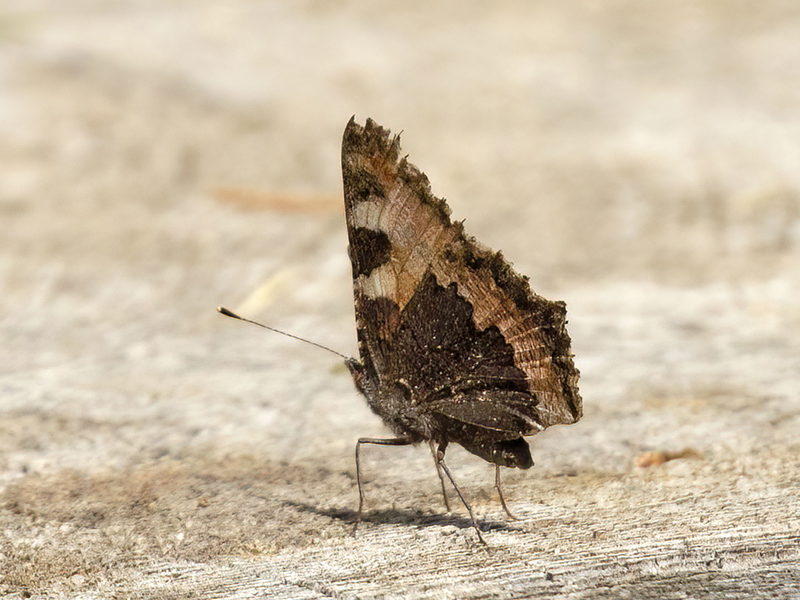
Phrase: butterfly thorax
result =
(393, 404)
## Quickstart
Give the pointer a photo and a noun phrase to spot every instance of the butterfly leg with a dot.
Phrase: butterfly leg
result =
(502, 496)
(378, 442)
(440, 462)
(441, 476)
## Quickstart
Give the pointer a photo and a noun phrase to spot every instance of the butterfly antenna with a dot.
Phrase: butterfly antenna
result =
(233, 315)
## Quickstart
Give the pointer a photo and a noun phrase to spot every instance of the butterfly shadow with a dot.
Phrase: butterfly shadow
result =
(397, 516)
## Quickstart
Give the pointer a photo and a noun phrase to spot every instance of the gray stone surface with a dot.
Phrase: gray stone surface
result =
(639, 161)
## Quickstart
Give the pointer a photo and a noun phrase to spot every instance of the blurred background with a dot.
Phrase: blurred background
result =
(639, 160)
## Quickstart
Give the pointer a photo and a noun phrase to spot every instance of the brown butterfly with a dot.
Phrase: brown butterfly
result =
(454, 345)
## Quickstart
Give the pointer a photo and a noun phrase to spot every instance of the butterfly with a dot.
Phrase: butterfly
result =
(454, 346)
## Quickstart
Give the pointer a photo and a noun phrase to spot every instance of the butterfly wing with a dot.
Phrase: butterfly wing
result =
(445, 325)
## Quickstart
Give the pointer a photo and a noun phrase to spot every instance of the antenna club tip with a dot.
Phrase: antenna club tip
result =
(228, 313)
